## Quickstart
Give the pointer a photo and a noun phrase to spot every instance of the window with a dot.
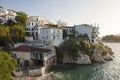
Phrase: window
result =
(53, 37)
(15, 56)
(46, 31)
(54, 31)
(70, 30)
(58, 36)
(32, 23)
(46, 36)
(37, 19)
(43, 31)
(58, 31)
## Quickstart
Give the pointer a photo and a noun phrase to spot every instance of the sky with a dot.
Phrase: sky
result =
(106, 13)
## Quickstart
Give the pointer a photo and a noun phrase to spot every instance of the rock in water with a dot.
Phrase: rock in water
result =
(97, 57)
(67, 59)
(83, 59)
(108, 57)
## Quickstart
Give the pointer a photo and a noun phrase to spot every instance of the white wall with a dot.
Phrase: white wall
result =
(54, 36)
(23, 56)
(88, 29)
(81, 29)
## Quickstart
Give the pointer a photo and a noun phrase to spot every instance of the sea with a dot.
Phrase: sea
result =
(96, 71)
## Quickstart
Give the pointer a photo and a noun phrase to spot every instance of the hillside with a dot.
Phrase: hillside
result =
(111, 38)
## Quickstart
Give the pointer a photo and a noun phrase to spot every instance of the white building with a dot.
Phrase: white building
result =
(11, 14)
(91, 31)
(3, 11)
(34, 24)
(33, 31)
(8, 17)
(36, 21)
(51, 36)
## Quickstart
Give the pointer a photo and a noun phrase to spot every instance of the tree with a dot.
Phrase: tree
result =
(70, 47)
(7, 65)
(5, 37)
(21, 18)
(17, 33)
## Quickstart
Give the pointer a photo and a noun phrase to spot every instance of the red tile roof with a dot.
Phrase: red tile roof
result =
(26, 48)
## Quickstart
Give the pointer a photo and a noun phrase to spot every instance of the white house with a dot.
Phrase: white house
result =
(3, 11)
(51, 36)
(91, 31)
(36, 21)
(34, 30)
(8, 17)
(30, 56)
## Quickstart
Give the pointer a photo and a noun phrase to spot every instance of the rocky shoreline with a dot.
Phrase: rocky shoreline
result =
(85, 59)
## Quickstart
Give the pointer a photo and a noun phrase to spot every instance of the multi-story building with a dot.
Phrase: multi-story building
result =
(34, 24)
(36, 21)
(8, 15)
(51, 36)
(91, 31)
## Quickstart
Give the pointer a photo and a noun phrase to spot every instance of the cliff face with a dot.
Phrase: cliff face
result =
(97, 56)
(81, 59)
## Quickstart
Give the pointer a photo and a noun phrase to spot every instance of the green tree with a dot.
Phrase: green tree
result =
(21, 18)
(17, 33)
(5, 37)
(85, 47)
(7, 65)
(70, 47)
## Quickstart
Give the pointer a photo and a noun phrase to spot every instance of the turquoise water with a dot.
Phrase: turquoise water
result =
(97, 71)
